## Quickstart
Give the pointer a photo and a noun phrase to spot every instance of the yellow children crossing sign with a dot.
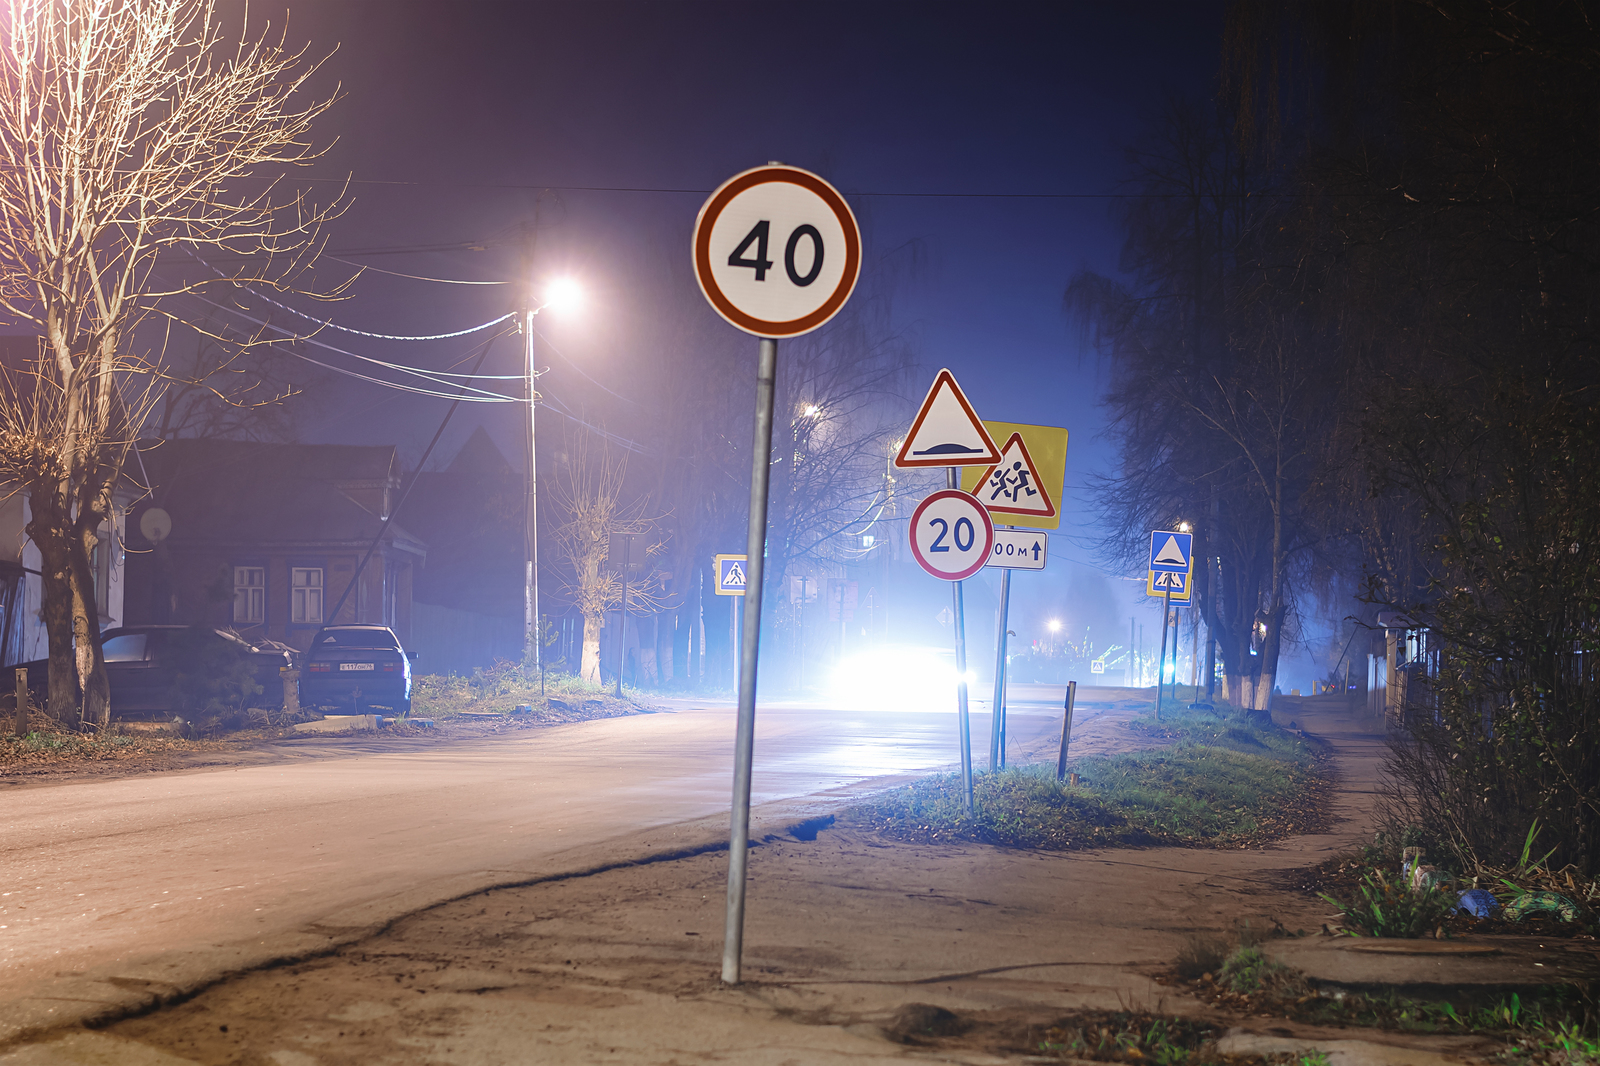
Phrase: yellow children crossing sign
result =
(1179, 585)
(1025, 487)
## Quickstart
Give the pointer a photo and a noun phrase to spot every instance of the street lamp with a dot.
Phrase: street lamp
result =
(563, 293)
(1055, 627)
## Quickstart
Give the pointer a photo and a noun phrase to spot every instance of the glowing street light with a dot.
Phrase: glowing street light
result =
(811, 410)
(562, 294)
(1055, 627)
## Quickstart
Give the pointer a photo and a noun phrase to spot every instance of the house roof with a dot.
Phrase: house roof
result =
(275, 495)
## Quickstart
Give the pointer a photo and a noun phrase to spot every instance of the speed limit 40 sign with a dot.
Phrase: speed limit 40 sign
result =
(951, 535)
(776, 251)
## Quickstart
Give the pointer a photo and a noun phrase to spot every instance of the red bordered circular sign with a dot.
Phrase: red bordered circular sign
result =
(951, 534)
(777, 251)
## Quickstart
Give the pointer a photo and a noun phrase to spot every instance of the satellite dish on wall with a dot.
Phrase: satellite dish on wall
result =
(155, 524)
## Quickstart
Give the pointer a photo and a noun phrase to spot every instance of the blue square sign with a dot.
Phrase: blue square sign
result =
(731, 580)
(1170, 551)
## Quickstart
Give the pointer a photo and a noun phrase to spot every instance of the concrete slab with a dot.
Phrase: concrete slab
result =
(1346, 1052)
(1509, 961)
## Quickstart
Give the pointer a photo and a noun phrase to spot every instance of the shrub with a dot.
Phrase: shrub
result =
(1388, 909)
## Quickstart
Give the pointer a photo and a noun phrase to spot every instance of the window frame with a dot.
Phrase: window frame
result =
(321, 587)
(260, 597)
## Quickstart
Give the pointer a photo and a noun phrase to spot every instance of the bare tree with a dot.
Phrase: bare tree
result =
(227, 392)
(589, 491)
(130, 130)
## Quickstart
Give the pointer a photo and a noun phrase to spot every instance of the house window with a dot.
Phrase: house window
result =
(250, 594)
(305, 603)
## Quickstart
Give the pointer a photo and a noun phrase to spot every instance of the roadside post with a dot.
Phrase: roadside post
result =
(1171, 566)
(731, 582)
(1023, 487)
(22, 703)
(952, 535)
(736, 237)
(1066, 731)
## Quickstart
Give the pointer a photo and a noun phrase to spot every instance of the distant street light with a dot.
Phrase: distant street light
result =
(811, 410)
(1055, 627)
(564, 294)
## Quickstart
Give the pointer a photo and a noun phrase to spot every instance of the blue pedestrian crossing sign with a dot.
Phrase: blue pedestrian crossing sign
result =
(1161, 584)
(1170, 551)
(731, 579)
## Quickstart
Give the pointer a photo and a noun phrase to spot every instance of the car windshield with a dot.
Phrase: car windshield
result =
(357, 638)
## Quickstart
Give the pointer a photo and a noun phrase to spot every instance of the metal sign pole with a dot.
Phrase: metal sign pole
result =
(744, 738)
(996, 753)
(1066, 731)
(953, 480)
(1161, 660)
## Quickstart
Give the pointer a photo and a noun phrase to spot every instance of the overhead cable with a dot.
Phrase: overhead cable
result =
(359, 332)
(546, 341)
(484, 396)
(554, 404)
(413, 277)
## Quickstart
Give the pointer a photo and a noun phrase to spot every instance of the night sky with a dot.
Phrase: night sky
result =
(460, 119)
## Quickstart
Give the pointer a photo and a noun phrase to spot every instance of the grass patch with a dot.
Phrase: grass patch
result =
(1394, 909)
(46, 745)
(505, 686)
(1243, 785)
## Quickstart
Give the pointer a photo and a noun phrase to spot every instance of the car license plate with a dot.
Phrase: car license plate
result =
(355, 666)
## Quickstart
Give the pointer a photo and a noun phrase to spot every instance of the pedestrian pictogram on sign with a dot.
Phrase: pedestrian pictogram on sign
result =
(1179, 585)
(1014, 485)
(1169, 551)
(731, 579)
(946, 431)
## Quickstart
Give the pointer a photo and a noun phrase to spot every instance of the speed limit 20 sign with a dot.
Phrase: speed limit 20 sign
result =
(777, 251)
(951, 535)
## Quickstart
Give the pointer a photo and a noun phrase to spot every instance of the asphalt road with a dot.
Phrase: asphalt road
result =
(102, 874)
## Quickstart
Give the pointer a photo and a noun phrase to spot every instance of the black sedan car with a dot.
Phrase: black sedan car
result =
(192, 672)
(355, 670)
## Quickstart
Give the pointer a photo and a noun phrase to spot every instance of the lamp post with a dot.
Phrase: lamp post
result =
(564, 293)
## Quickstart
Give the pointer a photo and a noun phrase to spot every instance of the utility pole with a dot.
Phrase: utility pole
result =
(531, 644)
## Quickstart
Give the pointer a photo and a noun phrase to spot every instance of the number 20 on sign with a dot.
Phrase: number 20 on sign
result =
(952, 535)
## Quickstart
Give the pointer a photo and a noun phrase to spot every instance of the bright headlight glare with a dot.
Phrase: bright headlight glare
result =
(898, 679)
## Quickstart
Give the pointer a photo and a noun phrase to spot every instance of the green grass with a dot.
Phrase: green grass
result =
(1243, 785)
(1392, 909)
(503, 687)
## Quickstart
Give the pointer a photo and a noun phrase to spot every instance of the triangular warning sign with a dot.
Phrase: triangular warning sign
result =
(1013, 486)
(947, 431)
(735, 576)
(1171, 553)
(1175, 582)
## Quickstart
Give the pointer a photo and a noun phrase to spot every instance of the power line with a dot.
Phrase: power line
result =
(359, 332)
(484, 396)
(413, 277)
